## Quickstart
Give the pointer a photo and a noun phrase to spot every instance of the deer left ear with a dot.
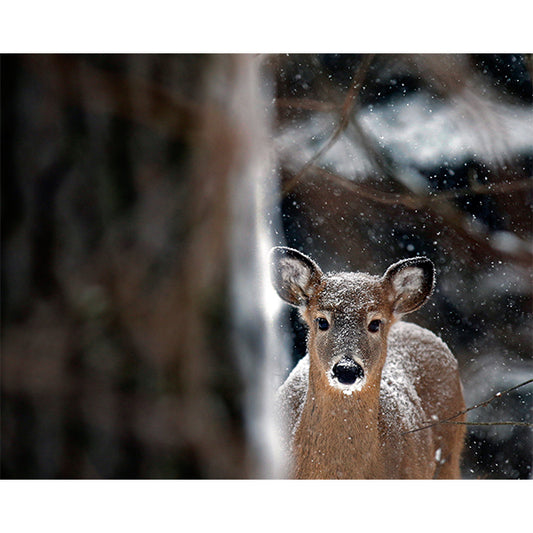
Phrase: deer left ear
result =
(294, 275)
(410, 283)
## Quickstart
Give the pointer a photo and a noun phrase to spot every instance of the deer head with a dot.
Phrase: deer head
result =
(349, 314)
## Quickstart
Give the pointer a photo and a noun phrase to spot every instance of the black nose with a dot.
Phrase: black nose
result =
(347, 371)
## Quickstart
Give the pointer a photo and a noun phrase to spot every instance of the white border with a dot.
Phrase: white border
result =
(414, 506)
(267, 27)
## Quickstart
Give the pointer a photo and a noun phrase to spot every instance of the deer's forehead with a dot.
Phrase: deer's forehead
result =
(349, 291)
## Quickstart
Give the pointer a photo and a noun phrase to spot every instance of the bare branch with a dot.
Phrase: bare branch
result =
(418, 202)
(489, 189)
(438, 205)
(346, 110)
(482, 404)
(307, 104)
(526, 424)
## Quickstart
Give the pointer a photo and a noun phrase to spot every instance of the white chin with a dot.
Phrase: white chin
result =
(347, 389)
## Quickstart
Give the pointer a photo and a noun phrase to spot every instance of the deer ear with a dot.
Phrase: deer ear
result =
(410, 283)
(294, 275)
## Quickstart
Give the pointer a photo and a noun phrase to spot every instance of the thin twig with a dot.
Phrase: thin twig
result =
(482, 404)
(526, 424)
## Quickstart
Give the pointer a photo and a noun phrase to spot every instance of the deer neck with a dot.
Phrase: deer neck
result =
(338, 434)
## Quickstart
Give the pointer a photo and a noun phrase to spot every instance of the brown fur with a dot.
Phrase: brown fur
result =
(411, 378)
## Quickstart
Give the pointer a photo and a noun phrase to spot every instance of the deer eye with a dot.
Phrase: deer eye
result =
(374, 325)
(322, 323)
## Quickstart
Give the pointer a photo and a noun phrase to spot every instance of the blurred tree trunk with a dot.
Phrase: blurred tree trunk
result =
(117, 352)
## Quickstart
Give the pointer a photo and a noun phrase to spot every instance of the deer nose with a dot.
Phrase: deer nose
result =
(347, 371)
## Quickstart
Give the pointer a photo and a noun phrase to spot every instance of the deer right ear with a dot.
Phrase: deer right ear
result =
(294, 275)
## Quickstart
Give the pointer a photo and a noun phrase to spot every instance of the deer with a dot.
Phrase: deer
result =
(355, 406)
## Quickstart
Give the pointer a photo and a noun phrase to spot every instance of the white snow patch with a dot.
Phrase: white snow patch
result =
(438, 455)
(291, 396)
(507, 242)
(416, 130)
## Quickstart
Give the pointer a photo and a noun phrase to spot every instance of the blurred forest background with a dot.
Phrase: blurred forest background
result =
(140, 194)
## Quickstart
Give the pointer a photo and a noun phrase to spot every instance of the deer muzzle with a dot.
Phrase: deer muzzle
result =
(347, 371)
